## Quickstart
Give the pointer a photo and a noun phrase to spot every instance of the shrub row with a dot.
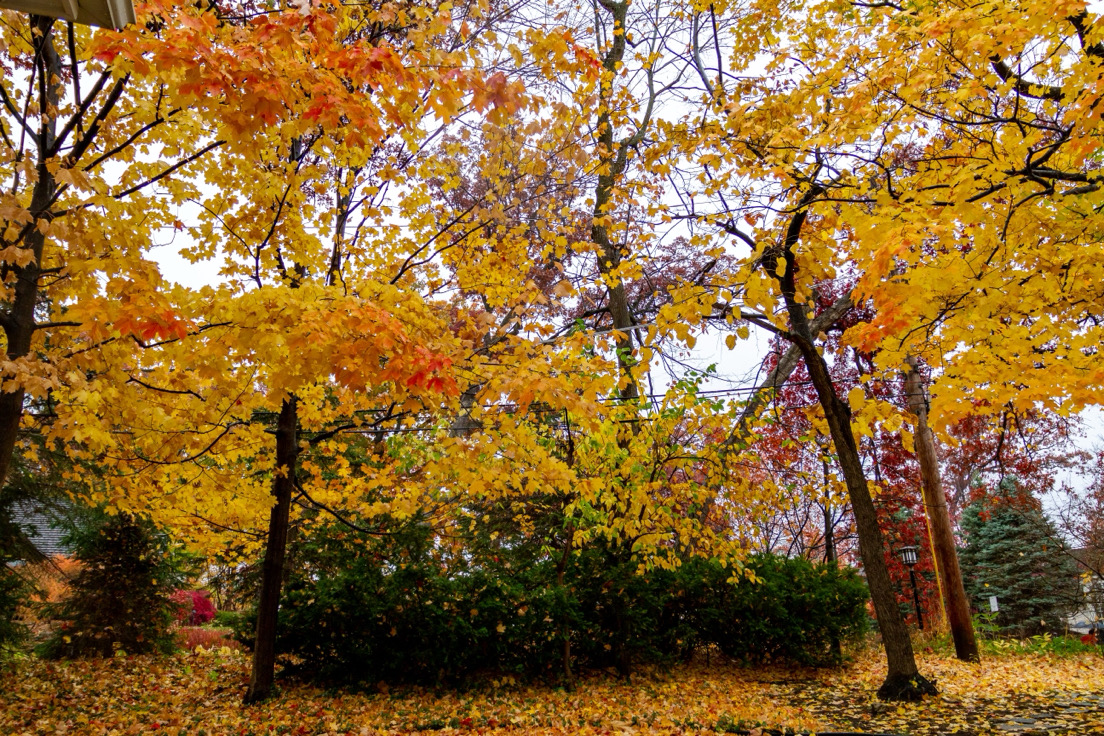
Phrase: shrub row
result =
(390, 608)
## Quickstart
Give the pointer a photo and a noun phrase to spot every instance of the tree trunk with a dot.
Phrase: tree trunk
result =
(829, 519)
(935, 505)
(565, 627)
(830, 556)
(614, 159)
(272, 572)
(903, 680)
(18, 321)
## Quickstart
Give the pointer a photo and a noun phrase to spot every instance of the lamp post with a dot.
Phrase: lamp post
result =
(909, 557)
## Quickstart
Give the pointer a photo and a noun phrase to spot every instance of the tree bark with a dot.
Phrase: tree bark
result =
(829, 520)
(272, 571)
(18, 321)
(565, 628)
(830, 556)
(785, 367)
(903, 680)
(614, 155)
(935, 505)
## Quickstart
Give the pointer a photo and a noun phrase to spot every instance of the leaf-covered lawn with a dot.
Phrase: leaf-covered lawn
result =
(201, 694)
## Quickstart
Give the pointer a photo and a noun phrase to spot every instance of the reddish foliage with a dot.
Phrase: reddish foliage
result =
(802, 459)
(194, 607)
(190, 637)
(997, 442)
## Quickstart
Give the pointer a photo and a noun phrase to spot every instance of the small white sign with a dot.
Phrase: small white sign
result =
(993, 604)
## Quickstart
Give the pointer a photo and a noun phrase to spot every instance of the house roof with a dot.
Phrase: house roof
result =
(41, 523)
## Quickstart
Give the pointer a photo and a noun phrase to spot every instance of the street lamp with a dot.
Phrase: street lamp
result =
(909, 557)
(99, 13)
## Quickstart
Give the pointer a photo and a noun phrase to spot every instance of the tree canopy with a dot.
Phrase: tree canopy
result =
(465, 250)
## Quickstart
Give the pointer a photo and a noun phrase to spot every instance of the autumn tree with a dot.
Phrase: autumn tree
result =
(85, 195)
(330, 325)
(1034, 445)
(775, 290)
(964, 150)
(778, 260)
(307, 331)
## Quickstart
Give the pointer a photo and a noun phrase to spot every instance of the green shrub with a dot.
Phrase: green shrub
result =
(396, 608)
(227, 619)
(120, 598)
(797, 611)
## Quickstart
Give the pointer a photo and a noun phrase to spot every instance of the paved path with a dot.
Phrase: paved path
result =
(1047, 714)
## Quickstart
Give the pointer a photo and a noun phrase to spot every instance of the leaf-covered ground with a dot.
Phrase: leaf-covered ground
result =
(201, 694)
(1009, 694)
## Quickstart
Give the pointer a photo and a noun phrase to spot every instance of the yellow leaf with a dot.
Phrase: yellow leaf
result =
(856, 397)
(907, 441)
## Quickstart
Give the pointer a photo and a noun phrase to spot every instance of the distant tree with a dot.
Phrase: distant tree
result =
(1079, 514)
(992, 443)
(1013, 552)
(120, 599)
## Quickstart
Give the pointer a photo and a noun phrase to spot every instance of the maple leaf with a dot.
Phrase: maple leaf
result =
(498, 93)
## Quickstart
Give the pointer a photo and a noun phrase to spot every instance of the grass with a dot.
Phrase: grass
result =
(990, 644)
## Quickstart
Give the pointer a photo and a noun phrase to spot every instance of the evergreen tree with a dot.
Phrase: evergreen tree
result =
(120, 598)
(13, 589)
(1013, 552)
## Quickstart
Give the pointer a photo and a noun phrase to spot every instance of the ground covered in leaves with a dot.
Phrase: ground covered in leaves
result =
(200, 694)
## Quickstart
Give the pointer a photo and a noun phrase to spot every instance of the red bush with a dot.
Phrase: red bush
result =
(194, 607)
(190, 637)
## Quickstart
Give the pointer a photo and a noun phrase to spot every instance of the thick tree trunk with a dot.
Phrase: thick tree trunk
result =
(18, 321)
(935, 505)
(903, 680)
(786, 365)
(272, 572)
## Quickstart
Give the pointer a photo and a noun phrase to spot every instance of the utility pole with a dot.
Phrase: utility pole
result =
(939, 519)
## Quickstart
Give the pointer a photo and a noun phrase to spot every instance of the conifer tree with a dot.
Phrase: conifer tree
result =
(1013, 552)
(120, 598)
